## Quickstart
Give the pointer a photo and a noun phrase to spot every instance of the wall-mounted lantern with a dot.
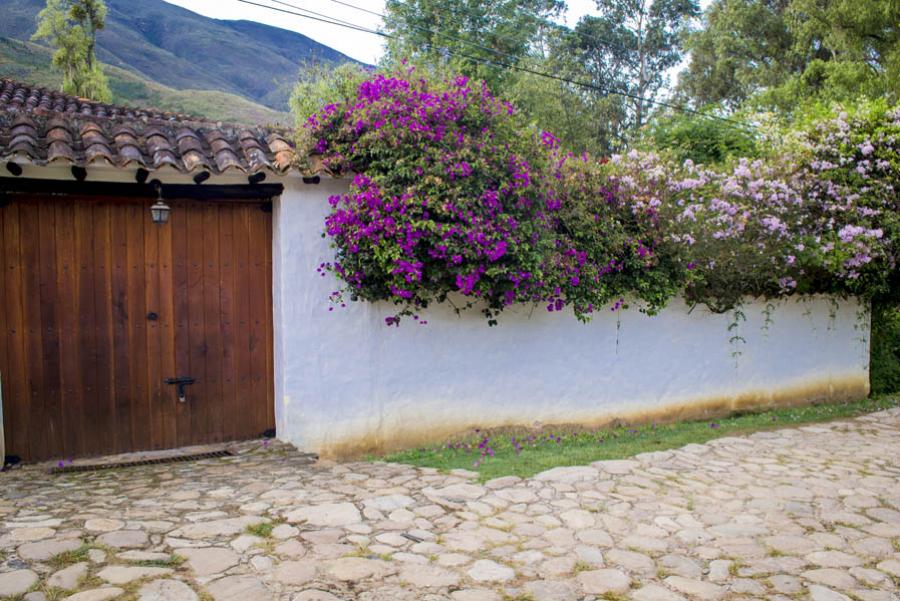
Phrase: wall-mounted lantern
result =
(159, 212)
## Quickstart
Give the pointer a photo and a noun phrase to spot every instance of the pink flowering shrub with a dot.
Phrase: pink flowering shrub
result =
(455, 198)
(818, 216)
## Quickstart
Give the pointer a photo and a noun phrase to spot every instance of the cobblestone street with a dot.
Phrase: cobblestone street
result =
(812, 512)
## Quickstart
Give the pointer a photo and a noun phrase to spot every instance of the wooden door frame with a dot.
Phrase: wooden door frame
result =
(10, 188)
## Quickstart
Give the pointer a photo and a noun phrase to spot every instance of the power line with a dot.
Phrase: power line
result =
(448, 36)
(341, 23)
(525, 69)
(535, 18)
(320, 18)
(386, 19)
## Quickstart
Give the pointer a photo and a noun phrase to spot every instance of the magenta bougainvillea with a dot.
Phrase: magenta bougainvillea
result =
(455, 198)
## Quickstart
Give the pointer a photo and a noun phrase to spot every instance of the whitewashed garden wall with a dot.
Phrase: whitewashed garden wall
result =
(347, 384)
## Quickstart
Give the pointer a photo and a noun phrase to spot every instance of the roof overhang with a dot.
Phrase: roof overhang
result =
(149, 190)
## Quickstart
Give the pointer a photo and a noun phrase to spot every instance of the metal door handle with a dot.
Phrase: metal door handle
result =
(181, 382)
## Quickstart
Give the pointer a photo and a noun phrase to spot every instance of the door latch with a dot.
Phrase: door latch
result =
(181, 382)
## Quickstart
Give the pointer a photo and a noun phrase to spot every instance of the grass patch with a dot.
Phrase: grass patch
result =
(582, 566)
(173, 561)
(261, 530)
(524, 452)
(50, 593)
(67, 558)
(519, 597)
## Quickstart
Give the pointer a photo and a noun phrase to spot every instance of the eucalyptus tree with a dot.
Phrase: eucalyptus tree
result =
(629, 46)
(71, 26)
(480, 38)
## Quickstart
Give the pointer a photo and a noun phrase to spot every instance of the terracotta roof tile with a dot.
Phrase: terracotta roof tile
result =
(44, 126)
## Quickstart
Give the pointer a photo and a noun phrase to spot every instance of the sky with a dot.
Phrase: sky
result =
(361, 46)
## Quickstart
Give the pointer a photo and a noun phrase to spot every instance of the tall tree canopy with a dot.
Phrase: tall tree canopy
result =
(630, 46)
(468, 34)
(623, 54)
(781, 52)
(71, 27)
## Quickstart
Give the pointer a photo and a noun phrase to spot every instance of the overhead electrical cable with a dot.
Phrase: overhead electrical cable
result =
(308, 14)
(595, 87)
(582, 34)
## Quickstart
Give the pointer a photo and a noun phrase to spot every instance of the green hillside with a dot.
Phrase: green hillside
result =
(172, 46)
(28, 62)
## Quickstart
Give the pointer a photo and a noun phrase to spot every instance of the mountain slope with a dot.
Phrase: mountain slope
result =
(28, 62)
(183, 50)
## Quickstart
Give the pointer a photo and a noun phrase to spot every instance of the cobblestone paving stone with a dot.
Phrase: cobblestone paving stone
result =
(804, 513)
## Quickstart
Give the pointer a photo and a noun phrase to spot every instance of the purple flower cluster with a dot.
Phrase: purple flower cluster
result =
(454, 196)
(821, 216)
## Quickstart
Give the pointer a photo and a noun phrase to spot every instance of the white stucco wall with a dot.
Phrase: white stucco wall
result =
(346, 383)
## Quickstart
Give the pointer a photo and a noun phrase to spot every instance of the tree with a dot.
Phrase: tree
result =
(630, 45)
(471, 35)
(859, 34)
(698, 138)
(781, 53)
(743, 47)
(321, 84)
(71, 27)
(583, 119)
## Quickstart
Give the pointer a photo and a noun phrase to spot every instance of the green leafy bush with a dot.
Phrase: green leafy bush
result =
(884, 366)
(698, 138)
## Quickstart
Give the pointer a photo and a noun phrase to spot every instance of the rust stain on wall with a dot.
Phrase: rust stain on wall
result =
(415, 432)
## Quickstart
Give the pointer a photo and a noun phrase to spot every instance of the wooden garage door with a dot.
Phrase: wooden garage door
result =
(99, 306)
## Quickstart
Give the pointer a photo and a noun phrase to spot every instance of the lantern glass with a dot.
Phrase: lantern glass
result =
(159, 212)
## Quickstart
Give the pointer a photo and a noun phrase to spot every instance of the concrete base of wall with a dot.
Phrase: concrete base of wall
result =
(409, 435)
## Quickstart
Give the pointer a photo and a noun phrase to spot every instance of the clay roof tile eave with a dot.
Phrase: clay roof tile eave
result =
(41, 126)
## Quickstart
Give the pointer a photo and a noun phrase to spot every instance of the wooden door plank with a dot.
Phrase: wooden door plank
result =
(9, 324)
(156, 404)
(183, 272)
(270, 327)
(242, 301)
(18, 401)
(258, 316)
(198, 394)
(86, 339)
(103, 263)
(212, 319)
(121, 330)
(49, 323)
(29, 244)
(70, 356)
(167, 363)
(137, 330)
(230, 409)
